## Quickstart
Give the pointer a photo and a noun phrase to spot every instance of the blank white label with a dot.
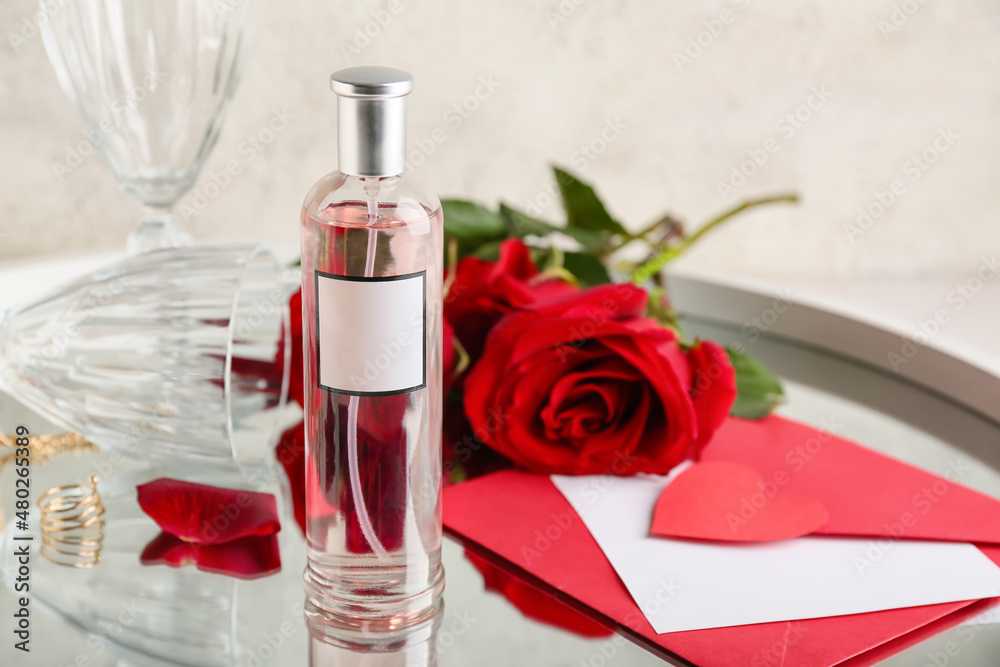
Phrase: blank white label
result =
(371, 333)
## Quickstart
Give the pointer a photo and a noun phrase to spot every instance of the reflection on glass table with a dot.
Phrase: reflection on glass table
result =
(256, 623)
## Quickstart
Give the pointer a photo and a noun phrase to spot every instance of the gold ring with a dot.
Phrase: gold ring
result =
(71, 524)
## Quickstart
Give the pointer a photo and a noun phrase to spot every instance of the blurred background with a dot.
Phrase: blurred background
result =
(881, 114)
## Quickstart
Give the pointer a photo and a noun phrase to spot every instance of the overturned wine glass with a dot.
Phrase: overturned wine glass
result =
(179, 355)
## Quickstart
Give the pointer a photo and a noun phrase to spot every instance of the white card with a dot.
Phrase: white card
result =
(688, 585)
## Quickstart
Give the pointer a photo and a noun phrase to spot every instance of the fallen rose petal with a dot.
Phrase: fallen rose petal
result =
(208, 514)
(249, 557)
(166, 549)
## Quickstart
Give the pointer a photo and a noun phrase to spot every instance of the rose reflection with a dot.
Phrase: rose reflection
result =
(219, 530)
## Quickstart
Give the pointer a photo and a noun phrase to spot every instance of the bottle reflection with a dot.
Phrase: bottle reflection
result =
(331, 646)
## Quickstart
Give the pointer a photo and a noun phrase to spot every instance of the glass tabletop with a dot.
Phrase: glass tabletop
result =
(120, 613)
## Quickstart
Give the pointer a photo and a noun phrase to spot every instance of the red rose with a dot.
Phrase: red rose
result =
(483, 292)
(449, 355)
(713, 389)
(585, 384)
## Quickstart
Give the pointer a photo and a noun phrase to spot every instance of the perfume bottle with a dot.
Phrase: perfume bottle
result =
(372, 262)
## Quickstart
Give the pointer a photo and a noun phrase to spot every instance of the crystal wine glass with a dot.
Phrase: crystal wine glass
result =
(152, 81)
(178, 355)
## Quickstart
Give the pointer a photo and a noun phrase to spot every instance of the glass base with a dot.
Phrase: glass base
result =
(328, 630)
(336, 610)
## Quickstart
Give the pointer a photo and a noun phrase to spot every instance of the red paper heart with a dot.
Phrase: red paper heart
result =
(731, 502)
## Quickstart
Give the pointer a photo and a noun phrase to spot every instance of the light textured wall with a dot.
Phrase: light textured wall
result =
(565, 71)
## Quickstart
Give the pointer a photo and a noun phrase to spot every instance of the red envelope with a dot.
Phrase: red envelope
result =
(524, 521)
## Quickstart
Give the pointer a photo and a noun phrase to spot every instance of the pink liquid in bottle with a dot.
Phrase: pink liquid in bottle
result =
(373, 462)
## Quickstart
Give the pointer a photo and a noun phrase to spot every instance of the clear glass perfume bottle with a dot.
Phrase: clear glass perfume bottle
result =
(372, 246)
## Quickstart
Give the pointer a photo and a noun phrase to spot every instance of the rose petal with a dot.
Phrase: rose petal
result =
(713, 389)
(613, 301)
(549, 290)
(208, 514)
(514, 260)
(249, 557)
(166, 549)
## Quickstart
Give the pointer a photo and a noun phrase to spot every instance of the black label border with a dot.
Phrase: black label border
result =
(372, 279)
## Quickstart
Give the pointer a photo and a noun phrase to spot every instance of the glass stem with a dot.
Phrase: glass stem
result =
(157, 215)
(158, 229)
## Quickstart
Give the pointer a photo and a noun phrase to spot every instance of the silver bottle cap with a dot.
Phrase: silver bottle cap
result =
(371, 119)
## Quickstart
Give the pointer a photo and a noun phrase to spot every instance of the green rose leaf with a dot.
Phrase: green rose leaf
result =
(584, 209)
(521, 224)
(758, 392)
(468, 221)
(587, 268)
